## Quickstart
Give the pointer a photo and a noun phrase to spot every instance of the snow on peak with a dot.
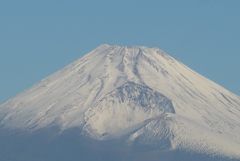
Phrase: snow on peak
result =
(68, 93)
(137, 92)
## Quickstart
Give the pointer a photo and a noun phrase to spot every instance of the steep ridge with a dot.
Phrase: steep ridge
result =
(140, 95)
(128, 108)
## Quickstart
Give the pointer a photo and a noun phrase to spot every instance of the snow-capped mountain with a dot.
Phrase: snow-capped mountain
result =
(139, 95)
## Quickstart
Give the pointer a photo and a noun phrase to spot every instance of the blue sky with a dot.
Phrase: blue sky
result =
(37, 38)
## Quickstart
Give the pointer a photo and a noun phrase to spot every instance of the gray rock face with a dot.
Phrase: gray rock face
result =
(140, 101)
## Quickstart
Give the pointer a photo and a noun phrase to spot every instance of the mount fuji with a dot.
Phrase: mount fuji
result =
(122, 104)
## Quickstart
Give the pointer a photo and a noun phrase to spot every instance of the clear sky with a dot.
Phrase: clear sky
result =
(37, 38)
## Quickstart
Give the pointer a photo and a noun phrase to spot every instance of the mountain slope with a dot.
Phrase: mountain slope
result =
(140, 95)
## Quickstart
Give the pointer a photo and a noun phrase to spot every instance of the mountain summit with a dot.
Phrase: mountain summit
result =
(139, 100)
